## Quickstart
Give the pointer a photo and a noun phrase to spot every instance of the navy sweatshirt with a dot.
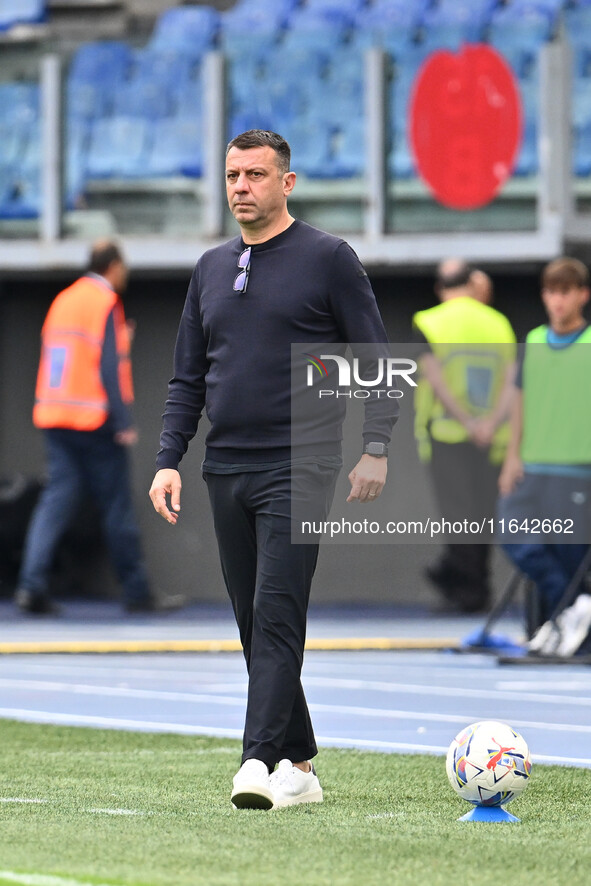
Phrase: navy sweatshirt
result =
(233, 350)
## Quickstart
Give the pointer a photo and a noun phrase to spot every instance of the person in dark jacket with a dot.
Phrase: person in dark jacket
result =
(280, 282)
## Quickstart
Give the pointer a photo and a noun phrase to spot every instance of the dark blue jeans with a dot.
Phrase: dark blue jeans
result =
(78, 462)
(549, 560)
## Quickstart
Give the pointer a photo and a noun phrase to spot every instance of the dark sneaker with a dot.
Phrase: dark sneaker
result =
(34, 603)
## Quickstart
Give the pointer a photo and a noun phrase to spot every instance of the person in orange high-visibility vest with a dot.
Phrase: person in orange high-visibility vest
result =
(82, 403)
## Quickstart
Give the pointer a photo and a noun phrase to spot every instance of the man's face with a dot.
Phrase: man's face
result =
(119, 274)
(565, 306)
(255, 187)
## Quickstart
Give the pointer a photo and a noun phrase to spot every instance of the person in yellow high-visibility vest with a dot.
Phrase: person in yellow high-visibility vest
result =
(467, 354)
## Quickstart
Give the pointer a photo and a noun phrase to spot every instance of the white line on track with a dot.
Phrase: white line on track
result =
(420, 716)
(53, 717)
(120, 691)
(448, 691)
(329, 683)
(186, 729)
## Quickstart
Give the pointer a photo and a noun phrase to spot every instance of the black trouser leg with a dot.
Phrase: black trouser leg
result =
(268, 580)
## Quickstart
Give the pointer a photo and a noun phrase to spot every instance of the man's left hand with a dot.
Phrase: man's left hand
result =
(368, 478)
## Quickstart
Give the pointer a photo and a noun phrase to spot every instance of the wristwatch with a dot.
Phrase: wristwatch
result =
(378, 450)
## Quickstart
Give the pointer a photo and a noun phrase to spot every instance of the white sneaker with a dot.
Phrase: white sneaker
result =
(251, 786)
(574, 624)
(291, 786)
(546, 639)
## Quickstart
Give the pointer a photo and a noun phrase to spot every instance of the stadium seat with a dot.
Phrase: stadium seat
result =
(166, 66)
(177, 147)
(338, 96)
(118, 148)
(12, 142)
(468, 17)
(101, 60)
(188, 99)
(527, 161)
(393, 13)
(520, 44)
(578, 29)
(349, 149)
(22, 193)
(256, 16)
(310, 143)
(190, 29)
(322, 29)
(582, 150)
(96, 72)
(143, 96)
(23, 12)
(77, 143)
(19, 103)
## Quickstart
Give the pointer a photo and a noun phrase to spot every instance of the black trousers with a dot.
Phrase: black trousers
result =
(268, 580)
(465, 485)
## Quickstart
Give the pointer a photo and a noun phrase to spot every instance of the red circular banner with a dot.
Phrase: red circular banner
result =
(465, 125)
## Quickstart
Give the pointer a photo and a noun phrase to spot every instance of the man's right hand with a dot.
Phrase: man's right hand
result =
(167, 482)
(511, 474)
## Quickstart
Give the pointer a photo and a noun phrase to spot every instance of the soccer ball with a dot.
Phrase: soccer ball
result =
(488, 763)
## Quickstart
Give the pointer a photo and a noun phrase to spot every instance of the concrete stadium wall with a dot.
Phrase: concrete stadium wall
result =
(183, 559)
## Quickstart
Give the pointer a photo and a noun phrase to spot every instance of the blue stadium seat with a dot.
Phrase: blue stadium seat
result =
(349, 149)
(12, 141)
(527, 161)
(338, 95)
(351, 7)
(177, 147)
(191, 29)
(143, 97)
(21, 12)
(534, 17)
(85, 101)
(19, 103)
(310, 143)
(322, 29)
(400, 162)
(97, 71)
(582, 150)
(166, 66)
(468, 17)
(388, 15)
(256, 16)
(520, 44)
(578, 28)
(102, 60)
(118, 148)
(77, 144)
(188, 98)
(21, 196)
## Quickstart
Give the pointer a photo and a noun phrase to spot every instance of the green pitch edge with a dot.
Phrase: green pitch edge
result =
(337, 644)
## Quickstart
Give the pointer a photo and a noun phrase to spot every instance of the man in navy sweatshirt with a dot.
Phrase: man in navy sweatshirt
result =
(280, 282)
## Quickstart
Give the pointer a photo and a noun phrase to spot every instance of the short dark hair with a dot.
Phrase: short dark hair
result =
(103, 255)
(459, 276)
(565, 273)
(264, 138)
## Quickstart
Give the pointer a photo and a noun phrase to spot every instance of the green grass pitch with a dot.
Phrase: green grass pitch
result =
(137, 809)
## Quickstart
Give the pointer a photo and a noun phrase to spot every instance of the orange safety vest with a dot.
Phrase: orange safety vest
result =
(70, 392)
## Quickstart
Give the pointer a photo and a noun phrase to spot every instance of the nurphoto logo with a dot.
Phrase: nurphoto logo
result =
(384, 371)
